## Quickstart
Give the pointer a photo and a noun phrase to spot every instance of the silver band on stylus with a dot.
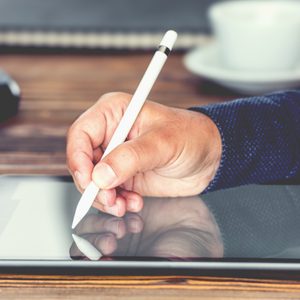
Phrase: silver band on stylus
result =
(164, 49)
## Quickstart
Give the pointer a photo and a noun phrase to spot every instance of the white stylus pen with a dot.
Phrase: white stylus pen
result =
(130, 115)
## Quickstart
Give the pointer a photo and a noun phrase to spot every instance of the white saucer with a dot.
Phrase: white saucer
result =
(204, 61)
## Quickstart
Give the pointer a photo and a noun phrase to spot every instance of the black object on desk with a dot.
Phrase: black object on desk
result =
(9, 96)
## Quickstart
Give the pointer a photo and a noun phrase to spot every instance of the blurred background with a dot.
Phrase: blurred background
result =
(58, 57)
(101, 24)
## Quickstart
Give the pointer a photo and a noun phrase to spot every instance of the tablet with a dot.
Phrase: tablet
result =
(245, 229)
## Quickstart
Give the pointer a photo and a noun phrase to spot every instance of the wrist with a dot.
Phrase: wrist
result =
(210, 142)
(215, 148)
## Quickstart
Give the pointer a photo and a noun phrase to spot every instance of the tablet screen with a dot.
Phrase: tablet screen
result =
(247, 223)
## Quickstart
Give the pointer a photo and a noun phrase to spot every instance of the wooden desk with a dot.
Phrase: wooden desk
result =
(56, 89)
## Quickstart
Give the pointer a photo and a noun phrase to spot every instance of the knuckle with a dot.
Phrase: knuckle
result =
(72, 129)
(115, 95)
(129, 157)
(69, 164)
(111, 95)
(70, 133)
(71, 161)
(132, 155)
(86, 127)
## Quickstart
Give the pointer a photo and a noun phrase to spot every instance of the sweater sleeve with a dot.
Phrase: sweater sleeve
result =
(260, 139)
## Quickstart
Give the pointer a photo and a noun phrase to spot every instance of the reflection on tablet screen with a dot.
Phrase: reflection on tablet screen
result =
(251, 222)
(246, 222)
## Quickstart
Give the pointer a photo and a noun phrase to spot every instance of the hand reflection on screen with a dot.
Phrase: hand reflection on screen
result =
(169, 228)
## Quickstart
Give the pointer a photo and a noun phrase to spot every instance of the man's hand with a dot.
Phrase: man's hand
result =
(169, 152)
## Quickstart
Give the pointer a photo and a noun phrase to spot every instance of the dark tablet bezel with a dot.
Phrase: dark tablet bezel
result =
(279, 269)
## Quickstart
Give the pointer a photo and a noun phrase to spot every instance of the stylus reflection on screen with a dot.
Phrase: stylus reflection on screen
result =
(87, 248)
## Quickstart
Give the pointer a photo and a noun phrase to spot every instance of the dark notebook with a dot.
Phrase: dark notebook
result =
(102, 23)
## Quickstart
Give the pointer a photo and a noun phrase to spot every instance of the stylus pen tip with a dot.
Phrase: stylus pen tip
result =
(75, 222)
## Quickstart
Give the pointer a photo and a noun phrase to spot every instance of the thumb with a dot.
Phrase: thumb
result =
(138, 155)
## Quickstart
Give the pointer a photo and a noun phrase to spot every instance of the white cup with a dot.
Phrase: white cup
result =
(257, 35)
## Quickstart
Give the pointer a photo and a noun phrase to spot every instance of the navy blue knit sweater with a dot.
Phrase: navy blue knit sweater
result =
(260, 139)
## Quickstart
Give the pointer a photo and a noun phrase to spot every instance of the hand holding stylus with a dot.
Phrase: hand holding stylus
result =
(168, 152)
(129, 116)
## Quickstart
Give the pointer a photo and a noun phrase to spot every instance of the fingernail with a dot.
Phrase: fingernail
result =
(104, 175)
(133, 205)
(113, 210)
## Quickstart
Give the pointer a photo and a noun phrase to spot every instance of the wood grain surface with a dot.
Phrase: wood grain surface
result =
(56, 89)
(172, 287)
